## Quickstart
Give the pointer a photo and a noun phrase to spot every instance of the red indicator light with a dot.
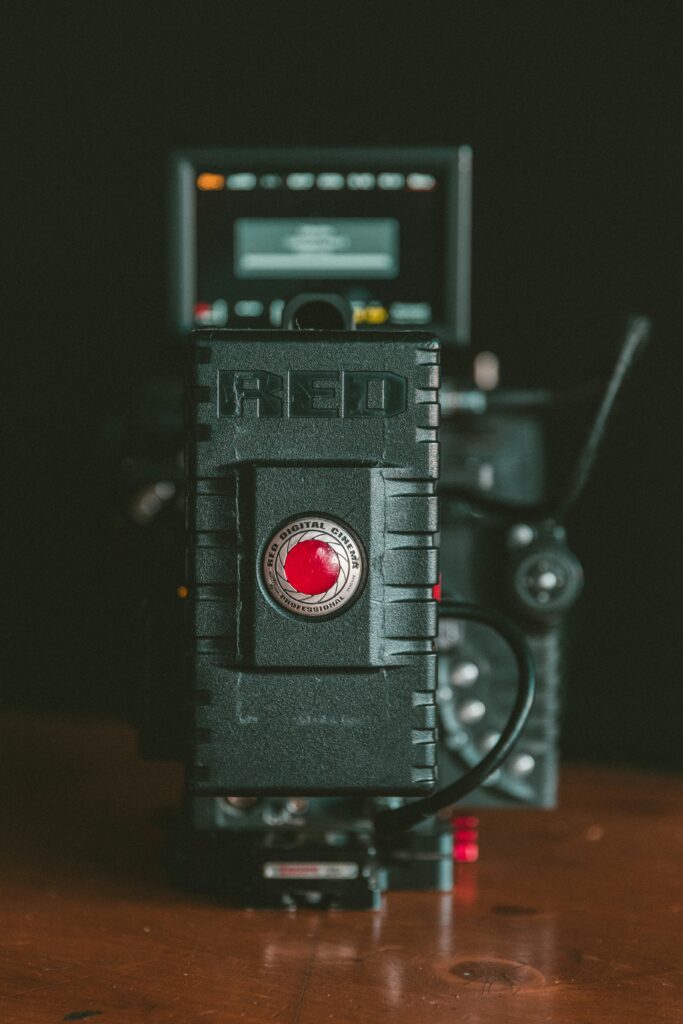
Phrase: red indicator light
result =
(203, 313)
(465, 839)
(466, 853)
(436, 590)
(312, 567)
(466, 821)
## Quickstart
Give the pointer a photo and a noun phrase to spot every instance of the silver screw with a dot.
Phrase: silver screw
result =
(522, 764)
(471, 712)
(465, 673)
(521, 535)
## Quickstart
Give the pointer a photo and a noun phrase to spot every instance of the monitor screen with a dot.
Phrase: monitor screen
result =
(309, 247)
(387, 230)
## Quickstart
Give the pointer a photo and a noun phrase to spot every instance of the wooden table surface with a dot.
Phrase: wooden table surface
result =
(574, 916)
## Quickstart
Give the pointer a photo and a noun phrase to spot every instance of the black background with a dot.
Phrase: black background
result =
(571, 111)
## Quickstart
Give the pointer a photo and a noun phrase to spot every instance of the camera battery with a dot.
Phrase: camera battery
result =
(312, 466)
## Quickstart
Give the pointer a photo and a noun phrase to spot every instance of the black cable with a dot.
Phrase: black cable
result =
(398, 819)
(635, 338)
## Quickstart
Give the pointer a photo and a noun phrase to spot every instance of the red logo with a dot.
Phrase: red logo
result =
(314, 566)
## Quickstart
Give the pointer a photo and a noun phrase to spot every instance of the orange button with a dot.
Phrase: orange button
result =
(207, 182)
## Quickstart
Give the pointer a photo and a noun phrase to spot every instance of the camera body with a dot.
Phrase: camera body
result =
(312, 463)
(292, 740)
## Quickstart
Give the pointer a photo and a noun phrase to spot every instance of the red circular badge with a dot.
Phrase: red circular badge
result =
(314, 565)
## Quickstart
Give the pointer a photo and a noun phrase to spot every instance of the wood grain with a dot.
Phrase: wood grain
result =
(574, 916)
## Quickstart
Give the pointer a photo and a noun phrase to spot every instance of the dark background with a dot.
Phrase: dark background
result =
(571, 112)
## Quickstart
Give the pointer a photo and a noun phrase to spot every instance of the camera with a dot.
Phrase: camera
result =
(296, 662)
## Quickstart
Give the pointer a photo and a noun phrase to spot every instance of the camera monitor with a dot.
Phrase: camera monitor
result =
(386, 229)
